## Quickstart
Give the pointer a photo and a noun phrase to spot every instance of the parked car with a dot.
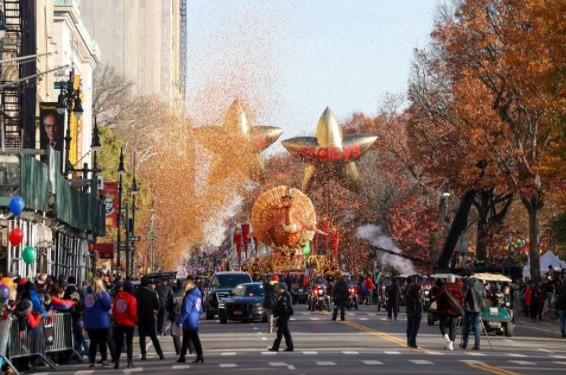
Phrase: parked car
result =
(244, 304)
(221, 285)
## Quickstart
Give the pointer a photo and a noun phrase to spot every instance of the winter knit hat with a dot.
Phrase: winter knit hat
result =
(275, 278)
(128, 286)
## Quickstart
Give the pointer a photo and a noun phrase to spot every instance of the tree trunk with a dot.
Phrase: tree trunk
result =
(482, 209)
(533, 206)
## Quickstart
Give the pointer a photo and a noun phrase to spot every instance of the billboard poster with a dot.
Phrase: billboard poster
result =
(110, 194)
(52, 127)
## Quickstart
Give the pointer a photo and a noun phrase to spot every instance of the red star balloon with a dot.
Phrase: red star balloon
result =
(236, 145)
(330, 154)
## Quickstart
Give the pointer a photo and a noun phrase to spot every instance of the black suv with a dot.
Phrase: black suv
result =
(220, 287)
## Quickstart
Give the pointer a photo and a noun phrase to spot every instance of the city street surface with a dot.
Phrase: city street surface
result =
(366, 343)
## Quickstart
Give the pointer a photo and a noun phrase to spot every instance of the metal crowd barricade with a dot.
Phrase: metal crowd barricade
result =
(28, 343)
(61, 337)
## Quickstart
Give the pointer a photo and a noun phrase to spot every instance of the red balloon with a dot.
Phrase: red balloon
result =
(16, 236)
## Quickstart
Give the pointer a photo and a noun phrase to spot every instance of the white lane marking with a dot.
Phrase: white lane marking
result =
(476, 354)
(558, 356)
(372, 362)
(255, 327)
(392, 353)
(350, 353)
(268, 353)
(315, 318)
(435, 353)
(523, 363)
(372, 314)
(325, 363)
(516, 355)
(305, 313)
(228, 353)
(227, 365)
(180, 367)
(350, 314)
(83, 372)
(546, 350)
(361, 318)
(264, 338)
(472, 362)
(135, 369)
(260, 333)
(383, 319)
(560, 363)
(508, 340)
(292, 319)
(277, 364)
(421, 362)
(291, 367)
(310, 353)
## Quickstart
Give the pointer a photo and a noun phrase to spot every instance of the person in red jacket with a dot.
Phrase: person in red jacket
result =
(448, 297)
(534, 300)
(125, 311)
(370, 287)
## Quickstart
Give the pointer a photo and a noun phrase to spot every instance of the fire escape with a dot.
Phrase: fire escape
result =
(11, 103)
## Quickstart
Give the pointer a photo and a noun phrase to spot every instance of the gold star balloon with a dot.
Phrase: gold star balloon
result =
(330, 154)
(236, 145)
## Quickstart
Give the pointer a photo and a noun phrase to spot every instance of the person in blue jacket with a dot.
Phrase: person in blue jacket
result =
(97, 305)
(189, 319)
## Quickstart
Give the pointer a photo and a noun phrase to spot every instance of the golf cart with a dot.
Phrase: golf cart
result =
(433, 308)
(498, 315)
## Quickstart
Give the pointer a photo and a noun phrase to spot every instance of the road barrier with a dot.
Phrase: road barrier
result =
(28, 343)
(59, 334)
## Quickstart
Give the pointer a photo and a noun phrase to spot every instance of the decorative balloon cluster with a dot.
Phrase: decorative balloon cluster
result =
(521, 244)
(6, 285)
(16, 235)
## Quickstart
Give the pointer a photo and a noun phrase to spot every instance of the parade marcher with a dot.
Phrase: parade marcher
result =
(125, 311)
(174, 312)
(340, 294)
(414, 305)
(370, 287)
(191, 312)
(283, 310)
(393, 292)
(450, 301)
(165, 294)
(561, 306)
(97, 306)
(534, 300)
(148, 304)
(474, 302)
(269, 301)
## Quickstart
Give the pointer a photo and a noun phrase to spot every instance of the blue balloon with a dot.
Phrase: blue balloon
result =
(17, 205)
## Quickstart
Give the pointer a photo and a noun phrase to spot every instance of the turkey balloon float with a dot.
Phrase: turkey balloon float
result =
(330, 154)
(236, 145)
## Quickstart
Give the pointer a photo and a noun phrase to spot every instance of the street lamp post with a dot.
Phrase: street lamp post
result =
(134, 192)
(119, 213)
(69, 101)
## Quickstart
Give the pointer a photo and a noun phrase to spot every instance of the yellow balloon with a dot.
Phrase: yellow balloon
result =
(8, 281)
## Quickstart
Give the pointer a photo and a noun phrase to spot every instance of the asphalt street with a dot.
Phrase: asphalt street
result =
(366, 343)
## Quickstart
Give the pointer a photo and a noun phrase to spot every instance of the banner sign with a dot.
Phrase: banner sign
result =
(110, 194)
(105, 250)
(51, 127)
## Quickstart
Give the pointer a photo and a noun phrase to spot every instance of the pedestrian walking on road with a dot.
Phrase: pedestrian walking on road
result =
(125, 311)
(97, 306)
(393, 293)
(283, 310)
(148, 305)
(450, 302)
(474, 302)
(189, 320)
(270, 298)
(340, 295)
(370, 287)
(414, 302)
(534, 300)
(165, 294)
(561, 305)
(174, 312)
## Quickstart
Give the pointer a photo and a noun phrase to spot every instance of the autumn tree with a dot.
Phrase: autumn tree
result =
(489, 60)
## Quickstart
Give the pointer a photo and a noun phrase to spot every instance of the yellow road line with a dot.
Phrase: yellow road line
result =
(395, 340)
(492, 369)
(380, 334)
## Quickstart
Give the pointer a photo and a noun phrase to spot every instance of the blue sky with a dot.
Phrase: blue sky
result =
(289, 59)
